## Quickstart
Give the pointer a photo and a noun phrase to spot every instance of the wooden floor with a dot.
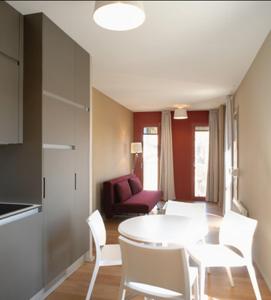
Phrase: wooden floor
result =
(107, 283)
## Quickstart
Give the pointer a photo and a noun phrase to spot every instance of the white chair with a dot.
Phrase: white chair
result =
(196, 211)
(186, 209)
(236, 231)
(106, 255)
(156, 272)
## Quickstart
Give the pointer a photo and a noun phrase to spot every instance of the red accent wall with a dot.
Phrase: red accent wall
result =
(183, 152)
(183, 147)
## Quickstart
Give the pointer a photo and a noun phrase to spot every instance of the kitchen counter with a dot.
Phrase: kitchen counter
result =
(10, 212)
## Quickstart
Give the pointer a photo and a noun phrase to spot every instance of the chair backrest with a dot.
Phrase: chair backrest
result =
(192, 210)
(97, 228)
(238, 231)
(164, 267)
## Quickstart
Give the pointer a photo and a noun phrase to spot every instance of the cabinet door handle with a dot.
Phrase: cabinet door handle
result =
(43, 186)
(75, 181)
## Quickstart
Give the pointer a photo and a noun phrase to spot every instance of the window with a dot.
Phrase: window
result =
(150, 130)
(201, 161)
(150, 158)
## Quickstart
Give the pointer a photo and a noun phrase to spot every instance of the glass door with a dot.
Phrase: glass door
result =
(150, 158)
(201, 158)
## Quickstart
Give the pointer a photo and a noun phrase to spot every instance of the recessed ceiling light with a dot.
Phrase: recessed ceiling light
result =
(119, 15)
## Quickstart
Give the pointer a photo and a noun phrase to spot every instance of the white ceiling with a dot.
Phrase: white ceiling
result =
(186, 52)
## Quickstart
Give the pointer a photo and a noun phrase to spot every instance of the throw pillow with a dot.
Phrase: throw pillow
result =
(123, 191)
(135, 184)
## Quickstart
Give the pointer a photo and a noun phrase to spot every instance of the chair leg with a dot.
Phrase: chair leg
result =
(191, 292)
(204, 242)
(202, 271)
(122, 293)
(228, 269)
(122, 290)
(196, 289)
(92, 281)
(253, 278)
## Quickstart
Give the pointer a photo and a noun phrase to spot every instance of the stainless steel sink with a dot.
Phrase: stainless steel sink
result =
(6, 208)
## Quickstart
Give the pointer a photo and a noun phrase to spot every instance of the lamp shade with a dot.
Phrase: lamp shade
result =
(136, 148)
(119, 15)
(180, 114)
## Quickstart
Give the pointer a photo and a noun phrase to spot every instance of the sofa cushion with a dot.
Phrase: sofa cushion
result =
(142, 202)
(123, 191)
(135, 185)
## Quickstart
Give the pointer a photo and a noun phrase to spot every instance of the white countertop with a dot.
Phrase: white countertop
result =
(20, 213)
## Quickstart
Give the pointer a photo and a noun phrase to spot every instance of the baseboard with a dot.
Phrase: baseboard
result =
(265, 277)
(46, 291)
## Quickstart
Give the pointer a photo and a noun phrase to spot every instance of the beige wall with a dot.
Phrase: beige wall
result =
(254, 100)
(112, 135)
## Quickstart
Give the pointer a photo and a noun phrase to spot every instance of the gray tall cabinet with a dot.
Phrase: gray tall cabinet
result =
(44, 151)
(11, 79)
(57, 84)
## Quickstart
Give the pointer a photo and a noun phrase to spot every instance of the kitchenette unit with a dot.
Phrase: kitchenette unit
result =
(44, 153)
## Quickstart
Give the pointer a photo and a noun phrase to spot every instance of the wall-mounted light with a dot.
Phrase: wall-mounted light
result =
(119, 15)
(235, 172)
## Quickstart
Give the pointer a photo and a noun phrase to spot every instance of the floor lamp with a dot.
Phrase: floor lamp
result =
(135, 149)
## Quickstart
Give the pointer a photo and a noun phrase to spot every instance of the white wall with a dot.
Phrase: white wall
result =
(254, 100)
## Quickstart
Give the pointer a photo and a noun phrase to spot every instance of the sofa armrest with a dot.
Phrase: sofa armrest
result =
(108, 199)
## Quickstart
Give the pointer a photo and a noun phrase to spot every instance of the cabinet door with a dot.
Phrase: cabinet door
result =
(9, 30)
(9, 100)
(58, 188)
(82, 76)
(58, 122)
(58, 61)
(21, 258)
(81, 199)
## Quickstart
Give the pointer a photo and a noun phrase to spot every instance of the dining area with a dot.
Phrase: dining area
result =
(171, 254)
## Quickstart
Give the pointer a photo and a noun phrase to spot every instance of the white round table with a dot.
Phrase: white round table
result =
(163, 229)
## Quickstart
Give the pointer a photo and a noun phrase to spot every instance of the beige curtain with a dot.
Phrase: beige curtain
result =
(166, 182)
(215, 180)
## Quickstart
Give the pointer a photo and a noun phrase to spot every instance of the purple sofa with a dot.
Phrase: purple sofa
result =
(124, 195)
